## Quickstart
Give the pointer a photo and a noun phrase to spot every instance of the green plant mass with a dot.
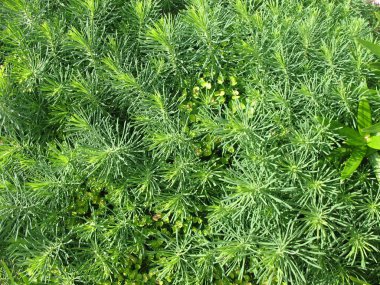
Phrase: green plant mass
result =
(361, 143)
(189, 142)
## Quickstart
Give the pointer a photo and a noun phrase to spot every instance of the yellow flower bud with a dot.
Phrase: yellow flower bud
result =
(233, 81)
(220, 93)
(220, 79)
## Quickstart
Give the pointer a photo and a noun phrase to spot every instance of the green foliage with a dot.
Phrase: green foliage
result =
(360, 143)
(374, 48)
(180, 142)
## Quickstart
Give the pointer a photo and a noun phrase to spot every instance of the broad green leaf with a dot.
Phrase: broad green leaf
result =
(372, 129)
(374, 159)
(353, 138)
(374, 48)
(364, 115)
(357, 141)
(374, 142)
(368, 92)
(353, 162)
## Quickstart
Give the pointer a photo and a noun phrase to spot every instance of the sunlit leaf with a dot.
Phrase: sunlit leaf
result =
(372, 129)
(353, 138)
(364, 115)
(358, 281)
(353, 162)
(374, 142)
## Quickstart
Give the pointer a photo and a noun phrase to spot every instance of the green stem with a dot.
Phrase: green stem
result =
(374, 159)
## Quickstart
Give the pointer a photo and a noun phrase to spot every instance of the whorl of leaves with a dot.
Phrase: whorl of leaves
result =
(180, 142)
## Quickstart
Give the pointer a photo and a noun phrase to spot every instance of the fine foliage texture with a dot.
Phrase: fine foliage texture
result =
(187, 142)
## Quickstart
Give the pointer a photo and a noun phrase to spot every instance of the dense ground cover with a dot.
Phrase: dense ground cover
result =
(188, 142)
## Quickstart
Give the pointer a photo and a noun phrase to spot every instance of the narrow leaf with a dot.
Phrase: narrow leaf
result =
(24, 279)
(358, 281)
(374, 48)
(374, 142)
(364, 115)
(372, 129)
(353, 162)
